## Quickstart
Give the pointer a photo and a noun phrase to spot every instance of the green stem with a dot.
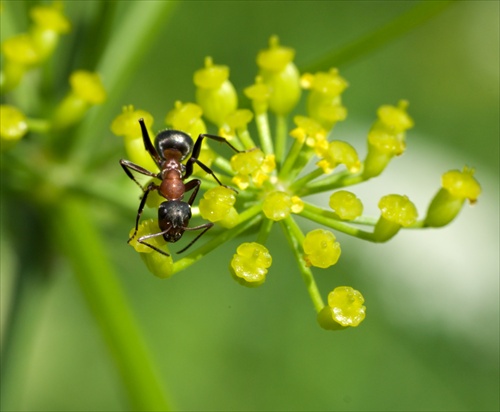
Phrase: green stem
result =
(290, 159)
(303, 181)
(281, 138)
(224, 165)
(378, 38)
(264, 132)
(103, 292)
(246, 139)
(329, 219)
(331, 182)
(265, 230)
(40, 126)
(295, 238)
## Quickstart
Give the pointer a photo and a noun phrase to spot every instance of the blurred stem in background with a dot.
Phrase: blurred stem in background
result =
(52, 206)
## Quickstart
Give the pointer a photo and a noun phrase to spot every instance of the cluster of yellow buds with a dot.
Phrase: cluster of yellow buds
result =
(269, 174)
(27, 51)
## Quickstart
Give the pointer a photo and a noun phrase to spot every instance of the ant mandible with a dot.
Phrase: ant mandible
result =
(170, 149)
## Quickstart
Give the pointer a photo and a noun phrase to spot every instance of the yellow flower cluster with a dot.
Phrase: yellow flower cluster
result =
(275, 174)
(27, 50)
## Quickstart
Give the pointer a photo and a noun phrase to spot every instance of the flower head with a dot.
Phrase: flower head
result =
(13, 124)
(387, 137)
(345, 308)
(280, 74)
(346, 205)
(324, 103)
(250, 263)
(321, 248)
(217, 206)
(214, 92)
(273, 176)
(87, 90)
(396, 211)
(456, 187)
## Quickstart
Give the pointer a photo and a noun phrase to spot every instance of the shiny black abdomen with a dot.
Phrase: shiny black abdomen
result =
(174, 139)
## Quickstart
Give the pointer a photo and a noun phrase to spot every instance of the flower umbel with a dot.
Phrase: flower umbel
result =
(268, 171)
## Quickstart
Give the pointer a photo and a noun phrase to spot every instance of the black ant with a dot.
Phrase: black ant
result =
(170, 149)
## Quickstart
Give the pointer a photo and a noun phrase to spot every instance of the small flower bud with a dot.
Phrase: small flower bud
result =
(462, 184)
(310, 132)
(395, 118)
(252, 166)
(127, 125)
(396, 211)
(336, 153)
(87, 90)
(456, 187)
(278, 205)
(259, 93)
(215, 93)
(49, 24)
(147, 227)
(20, 49)
(346, 205)
(186, 117)
(250, 263)
(13, 124)
(386, 138)
(217, 206)
(345, 308)
(88, 86)
(282, 76)
(321, 249)
(159, 265)
(20, 54)
(237, 122)
(324, 103)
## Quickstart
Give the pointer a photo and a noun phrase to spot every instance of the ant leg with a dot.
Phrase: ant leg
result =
(150, 187)
(145, 237)
(189, 171)
(196, 152)
(197, 146)
(148, 145)
(128, 165)
(192, 184)
(204, 226)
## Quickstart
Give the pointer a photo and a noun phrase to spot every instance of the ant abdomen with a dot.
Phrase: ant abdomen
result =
(174, 139)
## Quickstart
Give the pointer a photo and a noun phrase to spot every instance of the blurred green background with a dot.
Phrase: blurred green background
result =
(431, 337)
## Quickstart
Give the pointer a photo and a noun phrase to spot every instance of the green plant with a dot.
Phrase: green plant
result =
(49, 169)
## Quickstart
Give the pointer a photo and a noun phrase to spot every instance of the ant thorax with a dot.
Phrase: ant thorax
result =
(172, 187)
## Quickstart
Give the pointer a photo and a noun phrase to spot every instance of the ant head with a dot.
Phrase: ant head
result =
(173, 216)
(173, 139)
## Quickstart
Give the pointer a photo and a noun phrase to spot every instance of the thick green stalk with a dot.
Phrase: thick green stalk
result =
(80, 241)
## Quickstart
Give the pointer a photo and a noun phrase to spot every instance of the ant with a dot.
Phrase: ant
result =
(170, 148)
